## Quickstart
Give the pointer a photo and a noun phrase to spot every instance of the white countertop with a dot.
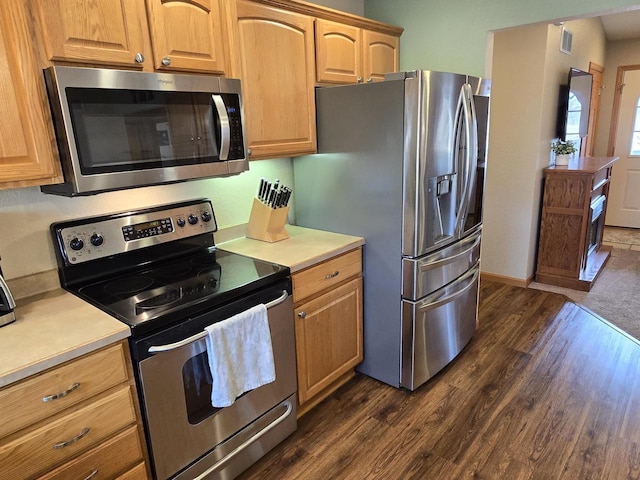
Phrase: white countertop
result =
(52, 328)
(304, 247)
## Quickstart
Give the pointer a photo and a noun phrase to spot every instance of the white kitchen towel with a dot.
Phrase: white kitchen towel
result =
(240, 355)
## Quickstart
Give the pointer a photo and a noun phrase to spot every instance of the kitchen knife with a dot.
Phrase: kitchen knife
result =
(263, 184)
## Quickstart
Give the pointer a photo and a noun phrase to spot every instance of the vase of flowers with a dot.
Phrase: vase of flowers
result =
(563, 151)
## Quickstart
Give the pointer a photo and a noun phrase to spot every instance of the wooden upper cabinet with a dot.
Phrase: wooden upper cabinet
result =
(338, 52)
(381, 54)
(187, 35)
(27, 154)
(107, 32)
(275, 52)
(177, 35)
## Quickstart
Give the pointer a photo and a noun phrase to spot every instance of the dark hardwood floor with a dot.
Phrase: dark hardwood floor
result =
(544, 390)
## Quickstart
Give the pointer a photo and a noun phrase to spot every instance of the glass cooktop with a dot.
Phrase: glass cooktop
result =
(178, 288)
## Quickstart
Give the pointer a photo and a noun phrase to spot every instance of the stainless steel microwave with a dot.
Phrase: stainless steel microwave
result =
(119, 129)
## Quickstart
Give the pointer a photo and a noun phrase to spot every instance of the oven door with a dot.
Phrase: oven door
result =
(190, 437)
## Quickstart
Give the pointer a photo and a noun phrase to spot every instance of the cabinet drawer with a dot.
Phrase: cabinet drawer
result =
(43, 448)
(136, 473)
(109, 459)
(24, 403)
(326, 275)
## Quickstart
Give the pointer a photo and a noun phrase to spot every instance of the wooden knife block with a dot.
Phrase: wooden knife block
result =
(266, 223)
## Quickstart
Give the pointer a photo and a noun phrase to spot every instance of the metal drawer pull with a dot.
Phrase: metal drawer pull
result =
(246, 443)
(201, 335)
(56, 396)
(73, 440)
(440, 262)
(332, 275)
(91, 475)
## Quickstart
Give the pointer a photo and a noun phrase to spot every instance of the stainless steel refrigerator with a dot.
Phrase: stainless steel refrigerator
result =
(401, 163)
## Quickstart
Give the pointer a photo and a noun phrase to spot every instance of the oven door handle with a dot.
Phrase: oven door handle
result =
(245, 444)
(201, 335)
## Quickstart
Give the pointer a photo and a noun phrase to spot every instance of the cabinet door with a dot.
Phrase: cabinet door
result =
(328, 338)
(27, 155)
(187, 35)
(381, 54)
(275, 50)
(107, 32)
(338, 52)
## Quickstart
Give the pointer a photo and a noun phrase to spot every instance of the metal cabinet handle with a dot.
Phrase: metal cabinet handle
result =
(166, 61)
(139, 58)
(91, 475)
(332, 275)
(56, 396)
(370, 80)
(66, 443)
(302, 314)
(360, 79)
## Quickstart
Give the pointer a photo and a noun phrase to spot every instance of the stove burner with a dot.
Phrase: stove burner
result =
(166, 298)
(209, 274)
(173, 272)
(129, 285)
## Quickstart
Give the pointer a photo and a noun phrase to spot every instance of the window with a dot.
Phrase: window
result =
(635, 136)
(574, 113)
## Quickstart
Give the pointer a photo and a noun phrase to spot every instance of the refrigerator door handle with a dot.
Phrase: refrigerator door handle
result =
(451, 292)
(466, 162)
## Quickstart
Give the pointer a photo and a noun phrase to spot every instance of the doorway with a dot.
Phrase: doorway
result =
(623, 208)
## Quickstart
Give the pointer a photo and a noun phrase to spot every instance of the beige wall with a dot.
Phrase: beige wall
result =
(623, 52)
(527, 70)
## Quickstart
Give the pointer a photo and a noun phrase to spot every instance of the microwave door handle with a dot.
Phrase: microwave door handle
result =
(225, 129)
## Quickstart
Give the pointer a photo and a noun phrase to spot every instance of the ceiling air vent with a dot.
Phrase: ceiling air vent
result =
(565, 41)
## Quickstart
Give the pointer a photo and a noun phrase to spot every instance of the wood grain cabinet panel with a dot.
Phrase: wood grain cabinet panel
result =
(108, 460)
(338, 52)
(27, 151)
(103, 32)
(328, 338)
(42, 396)
(570, 251)
(275, 51)
(348, 54)
(187, 35)
(61, 439)
(381, 54)
(328, 326)
(86, 427)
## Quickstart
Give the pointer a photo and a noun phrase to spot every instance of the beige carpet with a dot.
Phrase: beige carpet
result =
(616, 294)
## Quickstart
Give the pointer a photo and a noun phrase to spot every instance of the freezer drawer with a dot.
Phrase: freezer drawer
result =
(424, 275)
(436, 328)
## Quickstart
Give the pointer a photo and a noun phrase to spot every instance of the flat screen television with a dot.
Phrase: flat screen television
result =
(574, 100)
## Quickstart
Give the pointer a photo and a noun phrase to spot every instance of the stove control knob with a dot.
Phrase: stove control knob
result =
(181, 222)
(76, 244)
(192, 219)
(206, 216)
(96, 239)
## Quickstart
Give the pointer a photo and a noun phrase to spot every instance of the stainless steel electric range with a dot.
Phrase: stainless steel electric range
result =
(159, 271)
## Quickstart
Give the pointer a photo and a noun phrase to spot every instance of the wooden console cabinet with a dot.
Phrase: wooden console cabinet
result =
(570, 251)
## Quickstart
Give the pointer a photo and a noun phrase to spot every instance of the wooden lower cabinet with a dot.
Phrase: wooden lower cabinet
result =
(76, 420)
(328, 326)
(574, 203)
